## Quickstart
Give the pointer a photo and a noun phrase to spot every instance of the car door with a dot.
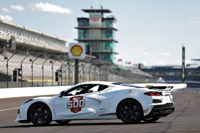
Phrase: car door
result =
(80, 102)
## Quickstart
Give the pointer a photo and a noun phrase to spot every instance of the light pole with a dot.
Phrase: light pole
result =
(183, 64)
(76, 71)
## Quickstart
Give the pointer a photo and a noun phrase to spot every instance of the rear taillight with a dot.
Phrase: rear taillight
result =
(153, 93)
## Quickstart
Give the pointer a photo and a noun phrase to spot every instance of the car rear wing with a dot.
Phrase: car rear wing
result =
(166, 88)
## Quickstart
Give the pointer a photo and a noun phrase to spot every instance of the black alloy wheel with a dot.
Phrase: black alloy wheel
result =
(150, 120)
(130, 111)
(40, 114)
(63, 122)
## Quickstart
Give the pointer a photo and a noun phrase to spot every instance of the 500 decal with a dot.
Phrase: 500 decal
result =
(75, 104)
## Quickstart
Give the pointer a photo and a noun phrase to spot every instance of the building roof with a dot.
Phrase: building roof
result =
(31, 30)
(195, 59)
(90, 27)
(104, 51)
(97, 39)
(96, 10)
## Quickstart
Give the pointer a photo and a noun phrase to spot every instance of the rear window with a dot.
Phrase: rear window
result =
(135, 86)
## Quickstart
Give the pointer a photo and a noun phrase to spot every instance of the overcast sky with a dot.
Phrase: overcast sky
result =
(150, 31)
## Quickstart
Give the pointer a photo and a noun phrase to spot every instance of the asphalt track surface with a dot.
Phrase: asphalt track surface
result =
(186, 118)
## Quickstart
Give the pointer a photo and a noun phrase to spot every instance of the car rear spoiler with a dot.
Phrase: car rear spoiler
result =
(160, 87)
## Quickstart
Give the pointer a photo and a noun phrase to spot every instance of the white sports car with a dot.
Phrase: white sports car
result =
(99, 100)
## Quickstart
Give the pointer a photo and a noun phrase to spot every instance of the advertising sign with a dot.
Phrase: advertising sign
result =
(95, 18)
(77, 50)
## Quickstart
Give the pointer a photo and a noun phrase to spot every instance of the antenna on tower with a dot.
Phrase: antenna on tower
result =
(91, 4)
(101, 4)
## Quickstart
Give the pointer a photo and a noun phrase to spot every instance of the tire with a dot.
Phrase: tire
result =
(63, 122)
(130, 111)
(151, 120)
(40, 114)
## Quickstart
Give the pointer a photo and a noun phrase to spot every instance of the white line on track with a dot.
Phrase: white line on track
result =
(8, 109)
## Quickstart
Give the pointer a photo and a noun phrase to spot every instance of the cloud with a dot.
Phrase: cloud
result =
(17, 7)
(68, 40)
(144, 63)
(6, 18)
(165, 54)
(46, 7)
(5, 9)
(147, 54)
(161, 62)
(186, 62)
(189, 21)
(197, 21)
(195, 40)
(118, 56)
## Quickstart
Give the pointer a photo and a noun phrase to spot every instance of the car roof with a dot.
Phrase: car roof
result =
(99, 82)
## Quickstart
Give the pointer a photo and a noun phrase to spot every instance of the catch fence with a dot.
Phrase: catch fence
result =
(31, 69)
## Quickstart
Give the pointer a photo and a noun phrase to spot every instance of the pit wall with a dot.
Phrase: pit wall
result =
(52, 90)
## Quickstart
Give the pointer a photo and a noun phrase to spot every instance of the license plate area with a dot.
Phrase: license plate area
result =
(167, 98)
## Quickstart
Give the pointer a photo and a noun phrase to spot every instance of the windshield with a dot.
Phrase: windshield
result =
(128, 85)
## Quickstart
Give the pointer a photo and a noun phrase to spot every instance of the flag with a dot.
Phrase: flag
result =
(128, 62)
(119, 60)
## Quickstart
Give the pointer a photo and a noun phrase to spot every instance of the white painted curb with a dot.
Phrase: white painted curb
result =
(52, 90)
(31, 91)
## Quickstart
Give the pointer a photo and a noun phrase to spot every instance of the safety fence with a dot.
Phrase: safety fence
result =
(32, 69)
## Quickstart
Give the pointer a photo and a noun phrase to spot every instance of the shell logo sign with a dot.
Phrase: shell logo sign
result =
(77, 50)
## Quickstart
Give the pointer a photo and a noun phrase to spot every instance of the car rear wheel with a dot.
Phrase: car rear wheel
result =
(63, 122)
(40, 114)
(130, 111)
(150, 120)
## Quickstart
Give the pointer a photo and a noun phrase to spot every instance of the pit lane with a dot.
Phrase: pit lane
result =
(186, 118)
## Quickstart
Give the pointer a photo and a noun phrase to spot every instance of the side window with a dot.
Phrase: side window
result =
(76, 91)
(83, 89)
(102, 87)
(93, 89)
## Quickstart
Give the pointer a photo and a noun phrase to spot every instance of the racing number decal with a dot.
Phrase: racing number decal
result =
(75, 104)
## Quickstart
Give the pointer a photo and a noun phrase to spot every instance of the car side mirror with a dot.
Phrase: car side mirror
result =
(62, 93)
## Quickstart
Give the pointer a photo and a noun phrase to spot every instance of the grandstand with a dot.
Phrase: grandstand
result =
(38, 57)
(173, 74)
(28, 39)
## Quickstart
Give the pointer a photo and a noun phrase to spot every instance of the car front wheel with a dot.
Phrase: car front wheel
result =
(130, 111)
(40, 114)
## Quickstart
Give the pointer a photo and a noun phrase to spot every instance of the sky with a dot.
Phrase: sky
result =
(149, 31)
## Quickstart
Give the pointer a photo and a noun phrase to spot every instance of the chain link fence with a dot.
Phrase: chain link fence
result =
(32, 69)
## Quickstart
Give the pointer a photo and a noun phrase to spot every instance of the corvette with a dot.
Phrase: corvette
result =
(99, 100)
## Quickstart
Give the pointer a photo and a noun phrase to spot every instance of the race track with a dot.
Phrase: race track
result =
(186, 118)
